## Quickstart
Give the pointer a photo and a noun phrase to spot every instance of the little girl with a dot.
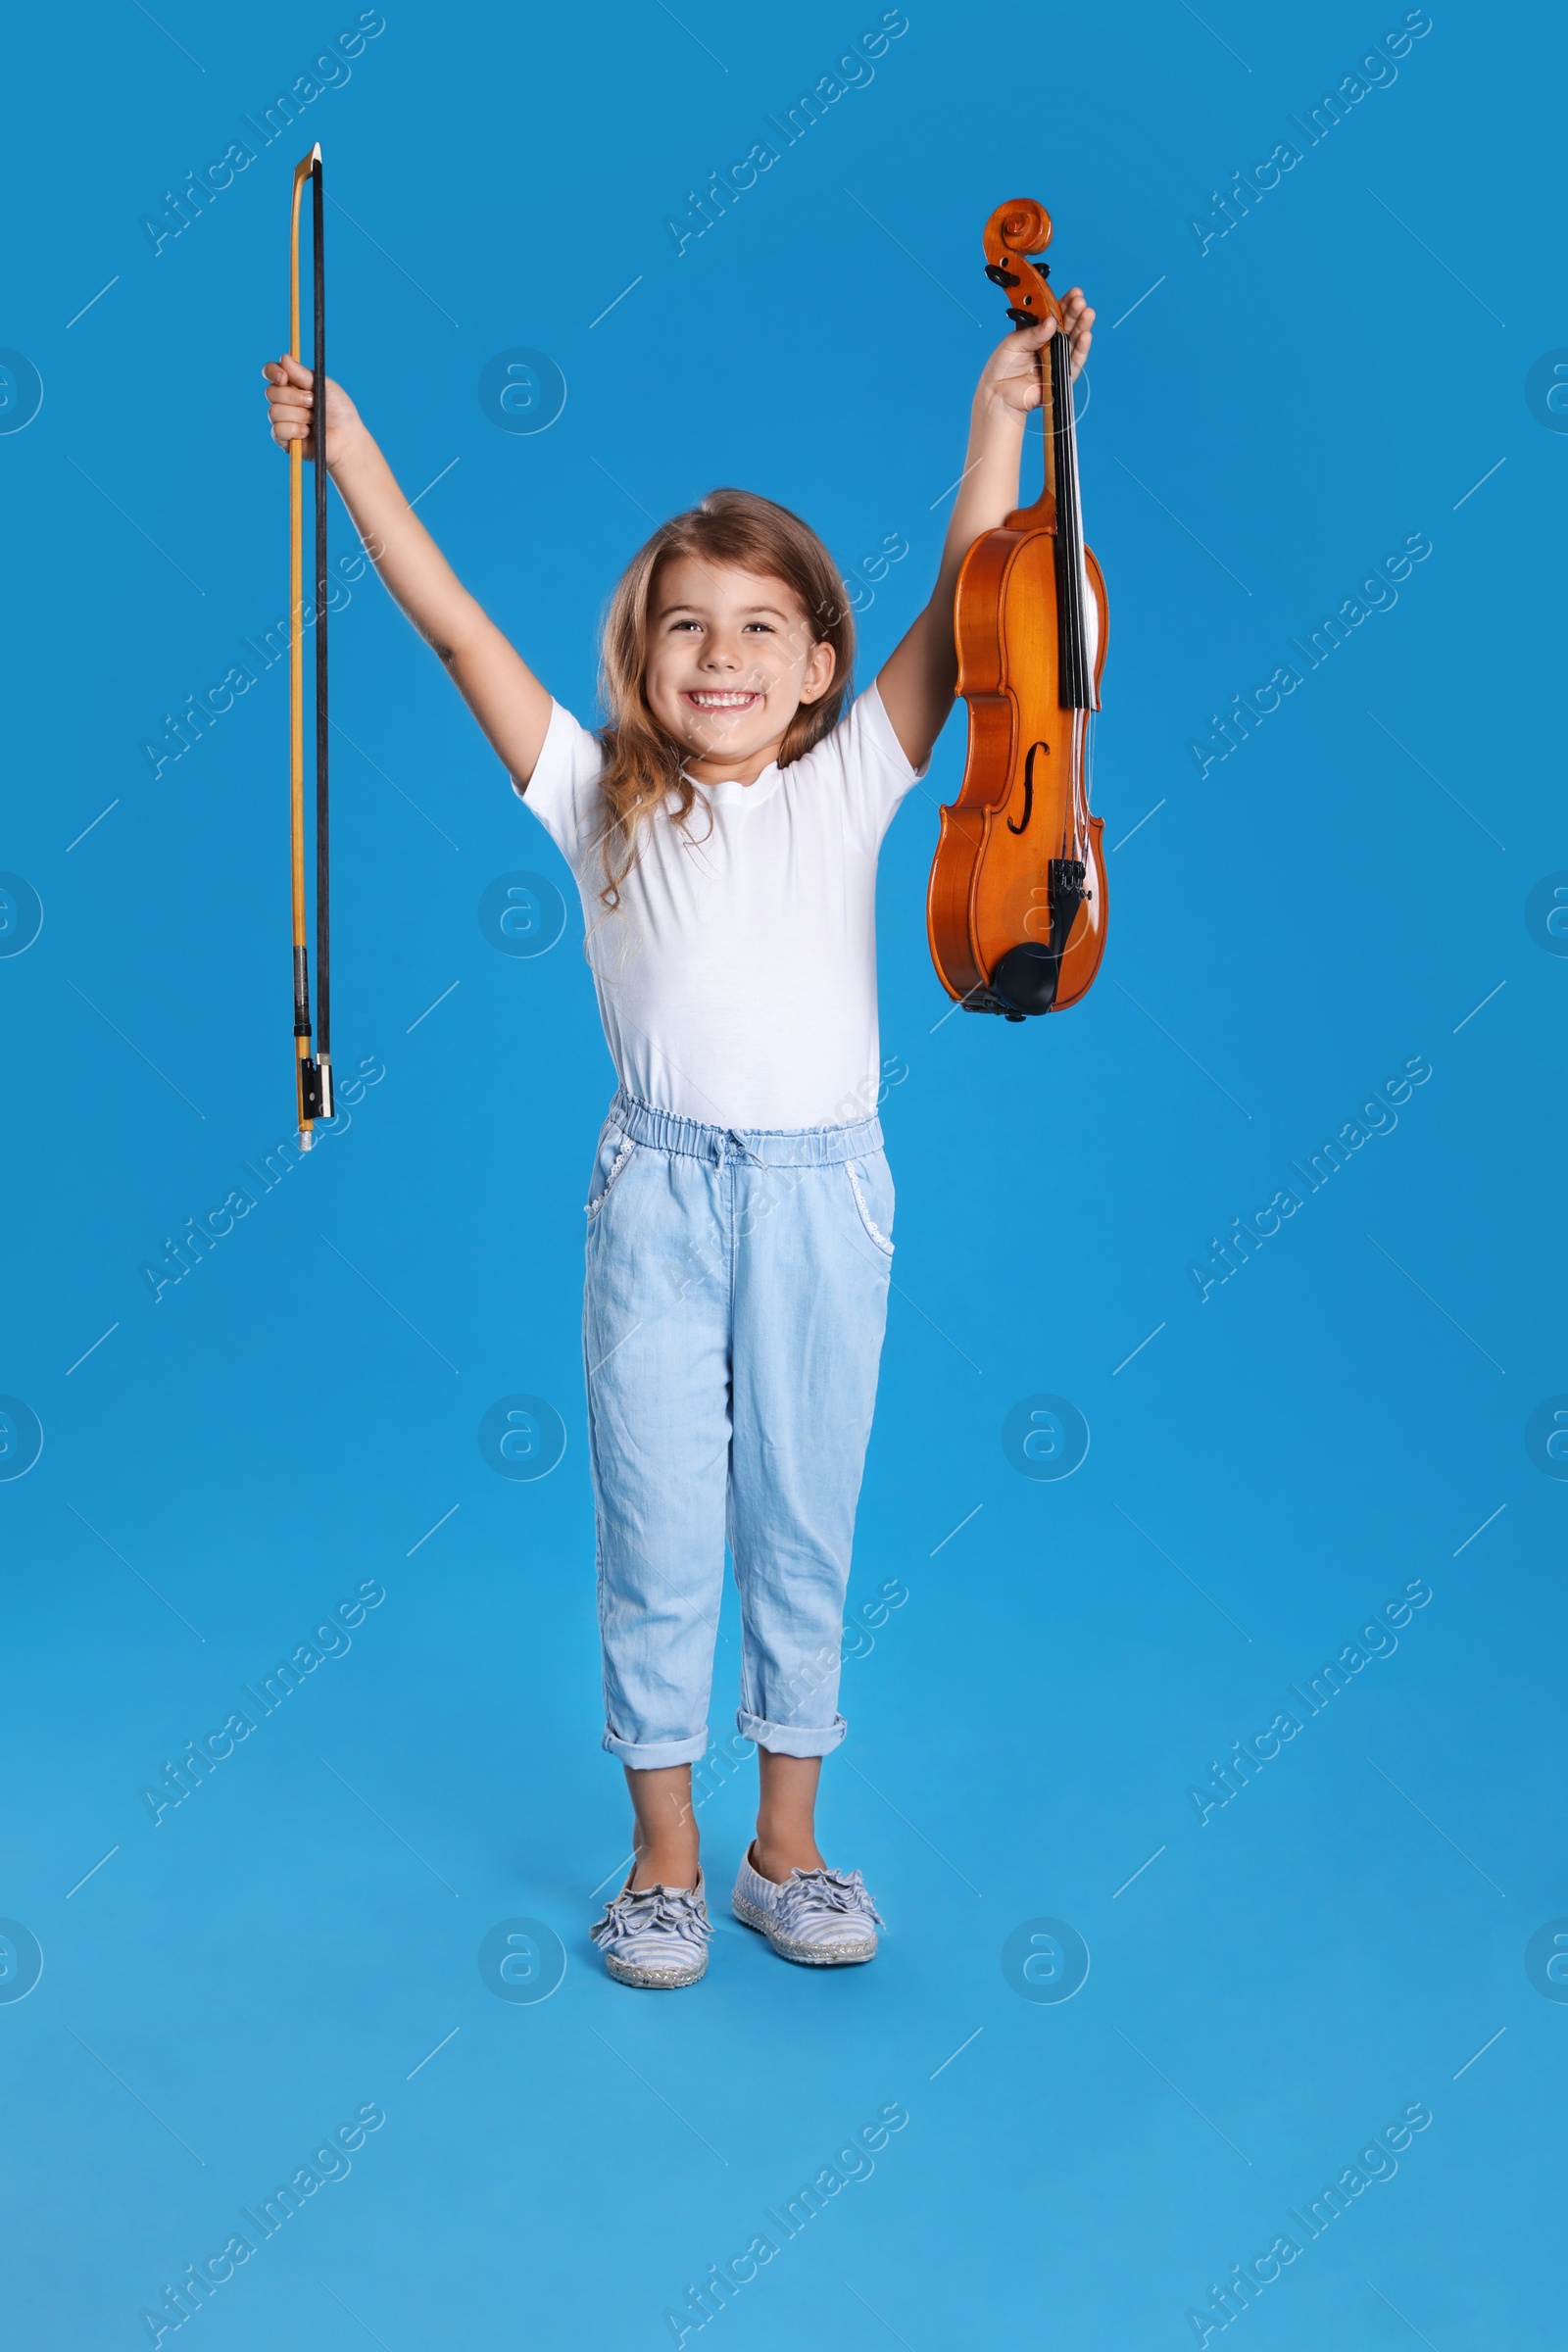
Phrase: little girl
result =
(723, 828)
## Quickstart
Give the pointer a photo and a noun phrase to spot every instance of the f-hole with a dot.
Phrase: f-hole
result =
(1028, 787)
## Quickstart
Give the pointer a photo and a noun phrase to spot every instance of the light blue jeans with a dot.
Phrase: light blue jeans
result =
(736, 1297)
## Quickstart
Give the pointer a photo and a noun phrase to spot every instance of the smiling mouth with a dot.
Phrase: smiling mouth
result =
(726, 698)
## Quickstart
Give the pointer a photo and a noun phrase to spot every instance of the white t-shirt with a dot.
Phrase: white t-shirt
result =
(737, 981)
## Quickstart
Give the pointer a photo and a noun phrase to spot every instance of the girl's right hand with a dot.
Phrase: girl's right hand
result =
(291, 403)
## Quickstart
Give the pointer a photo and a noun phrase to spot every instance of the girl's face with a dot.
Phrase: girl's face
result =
(731, 660)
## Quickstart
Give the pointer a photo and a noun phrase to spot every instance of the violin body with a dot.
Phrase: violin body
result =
(1017, 907)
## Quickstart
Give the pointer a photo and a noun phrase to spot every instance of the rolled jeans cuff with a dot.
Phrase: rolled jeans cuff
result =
(654, 1755)
(791, 1738)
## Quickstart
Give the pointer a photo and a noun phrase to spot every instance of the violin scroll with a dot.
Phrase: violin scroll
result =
(1013, 233)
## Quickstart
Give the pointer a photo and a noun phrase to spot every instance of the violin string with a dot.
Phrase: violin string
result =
(1075, 599)
(1069, 523)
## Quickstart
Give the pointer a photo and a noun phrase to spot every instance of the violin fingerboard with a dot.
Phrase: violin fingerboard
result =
(1075, 669)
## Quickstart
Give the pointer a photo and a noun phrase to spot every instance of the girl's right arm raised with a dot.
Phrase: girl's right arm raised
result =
(500, 689)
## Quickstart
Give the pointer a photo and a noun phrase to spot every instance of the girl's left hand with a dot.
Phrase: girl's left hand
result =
(1011, 378)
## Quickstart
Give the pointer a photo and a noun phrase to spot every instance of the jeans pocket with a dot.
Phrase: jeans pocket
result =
(614, 1156)
(871, 1185)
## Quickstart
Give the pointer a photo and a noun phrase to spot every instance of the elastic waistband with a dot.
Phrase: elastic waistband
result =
(774, 1146)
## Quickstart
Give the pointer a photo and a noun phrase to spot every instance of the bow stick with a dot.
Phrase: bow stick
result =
(313, 1072)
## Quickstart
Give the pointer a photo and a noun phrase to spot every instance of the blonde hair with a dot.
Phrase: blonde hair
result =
(643, 765)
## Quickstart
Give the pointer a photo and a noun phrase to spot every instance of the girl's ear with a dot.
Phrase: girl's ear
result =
(817, 674)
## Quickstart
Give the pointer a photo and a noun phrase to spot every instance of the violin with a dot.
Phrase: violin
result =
(1016, 913)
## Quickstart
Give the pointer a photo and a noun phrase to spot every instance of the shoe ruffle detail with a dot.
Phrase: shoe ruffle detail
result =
(655, 1936)
(818, 1898)
(820, 1918)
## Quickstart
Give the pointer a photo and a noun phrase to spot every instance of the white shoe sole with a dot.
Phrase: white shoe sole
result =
(654, 1980)
(807, 1955)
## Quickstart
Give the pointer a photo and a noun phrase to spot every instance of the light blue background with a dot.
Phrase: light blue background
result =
(1279, 1460)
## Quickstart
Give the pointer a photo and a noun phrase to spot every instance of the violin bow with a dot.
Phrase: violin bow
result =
(312, 1071)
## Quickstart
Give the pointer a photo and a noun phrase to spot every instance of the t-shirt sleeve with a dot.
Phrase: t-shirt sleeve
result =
(877, 772)
(563, 792)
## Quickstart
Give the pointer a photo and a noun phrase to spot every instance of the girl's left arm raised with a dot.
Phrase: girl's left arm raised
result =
(920, 677)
